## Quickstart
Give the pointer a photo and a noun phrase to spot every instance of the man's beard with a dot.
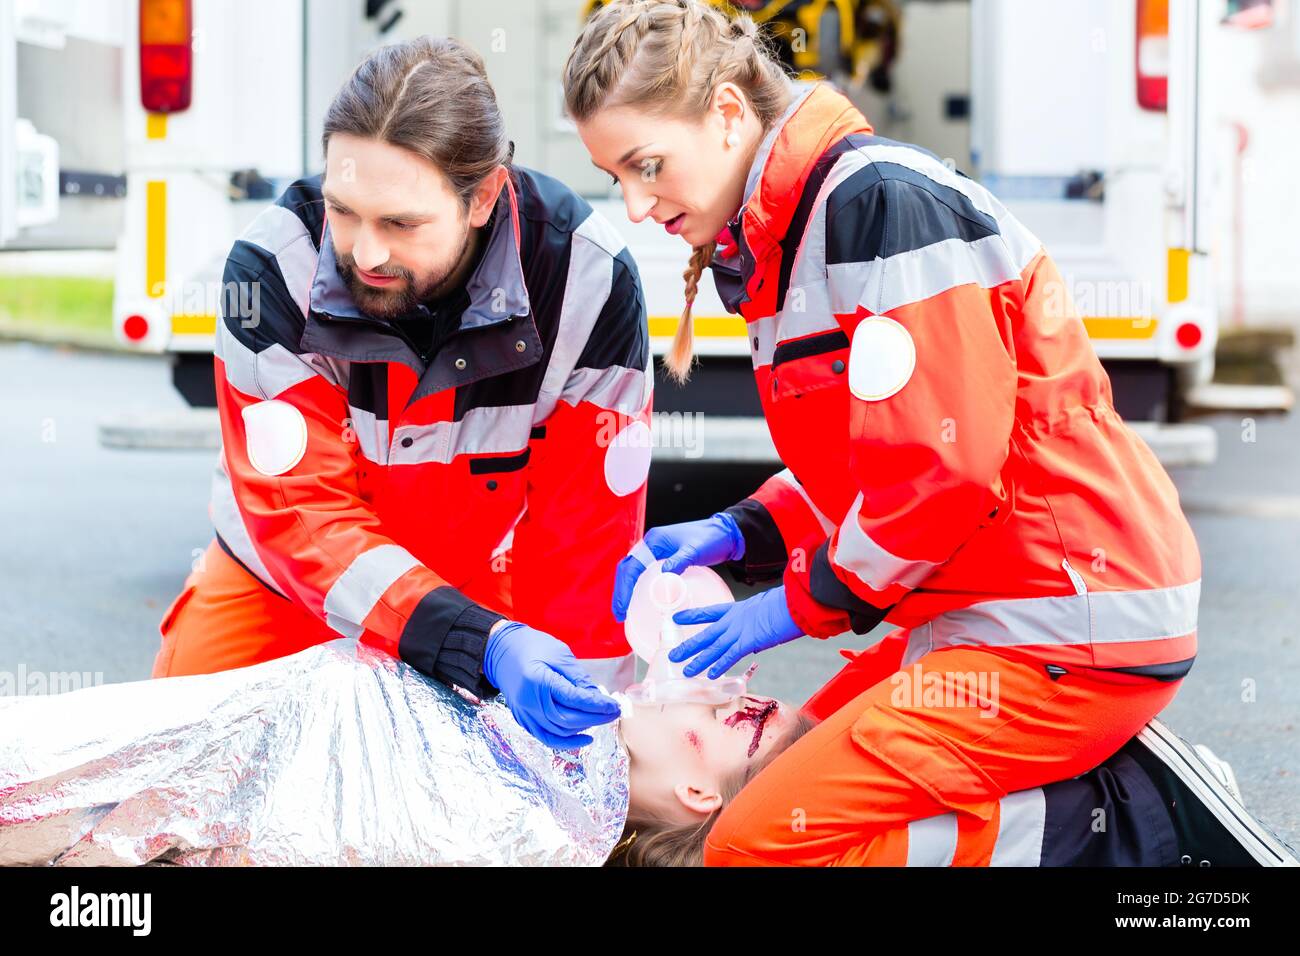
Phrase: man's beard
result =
(395, 301)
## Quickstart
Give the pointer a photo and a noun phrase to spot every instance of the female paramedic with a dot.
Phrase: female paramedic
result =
(954, 461)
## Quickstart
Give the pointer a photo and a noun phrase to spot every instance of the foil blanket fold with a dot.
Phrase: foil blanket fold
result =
(338, 755)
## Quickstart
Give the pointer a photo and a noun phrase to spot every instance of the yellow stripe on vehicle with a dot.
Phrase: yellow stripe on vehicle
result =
(732, 326)
(1120, 327)
(155, 238)
(155, 125)
(194, 324)
(1177, 274)
(706, 326)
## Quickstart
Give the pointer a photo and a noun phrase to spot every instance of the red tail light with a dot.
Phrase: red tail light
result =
(1188, 335)
(135, 327)
(1151, 57)
(166, 55)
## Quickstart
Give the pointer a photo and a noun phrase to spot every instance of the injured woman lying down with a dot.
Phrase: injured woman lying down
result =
(343, 755)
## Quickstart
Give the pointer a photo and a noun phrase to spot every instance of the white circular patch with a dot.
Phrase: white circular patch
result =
(627, 459)
(276, 436)
(882, 358)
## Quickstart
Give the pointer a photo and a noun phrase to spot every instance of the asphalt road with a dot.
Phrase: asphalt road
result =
(96, 543)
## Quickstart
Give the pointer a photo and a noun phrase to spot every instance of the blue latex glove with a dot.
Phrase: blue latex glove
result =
(546, 688)
(708, 541)
(746, 627)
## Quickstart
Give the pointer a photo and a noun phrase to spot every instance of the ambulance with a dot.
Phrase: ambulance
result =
(1089, 119)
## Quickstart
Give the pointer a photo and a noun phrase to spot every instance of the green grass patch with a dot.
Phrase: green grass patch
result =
(57, 302)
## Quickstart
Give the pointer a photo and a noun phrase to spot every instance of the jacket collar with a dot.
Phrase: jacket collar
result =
(496, 288)
(818, 117)
(499, 314)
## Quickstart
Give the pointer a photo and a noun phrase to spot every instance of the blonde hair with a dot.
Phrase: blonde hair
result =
(667, 57)
(651, 841)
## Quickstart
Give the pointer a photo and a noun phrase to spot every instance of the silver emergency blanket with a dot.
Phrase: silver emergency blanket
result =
(337, 755)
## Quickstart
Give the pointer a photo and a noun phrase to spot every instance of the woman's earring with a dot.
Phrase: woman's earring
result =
(733, 139)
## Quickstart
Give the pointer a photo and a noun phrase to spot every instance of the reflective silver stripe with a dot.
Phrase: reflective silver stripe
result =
(229, 523)
(1021, 819)
(597, 230)
(263, 374)
(766, 333)
(335, 371)
(282, 235)
(346, 628)
(489, 430)
(641, 551)
(1121, 617)
(372, 434)
(619, 389)
(883, 285)
(1099, 617)
(807, 306)
(932, 841)
(871, 564)
(1022, 244)
(918, 645)
(787, 476)
(356, 591)
(592, 248)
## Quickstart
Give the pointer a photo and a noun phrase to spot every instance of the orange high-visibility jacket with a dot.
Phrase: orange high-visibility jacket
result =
(954, 459)
(394, 499)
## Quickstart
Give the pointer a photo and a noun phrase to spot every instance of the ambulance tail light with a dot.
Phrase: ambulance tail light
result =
(1188, 335)
(135, 328)
(166, 55)
(1151, 56)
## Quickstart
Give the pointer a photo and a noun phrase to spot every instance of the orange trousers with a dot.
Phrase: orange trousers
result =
(955, 732)
(225, 618)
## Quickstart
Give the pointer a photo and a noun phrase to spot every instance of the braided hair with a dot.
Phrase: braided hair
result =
(668, 56)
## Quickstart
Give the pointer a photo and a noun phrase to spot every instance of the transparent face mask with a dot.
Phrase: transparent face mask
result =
(652, 633)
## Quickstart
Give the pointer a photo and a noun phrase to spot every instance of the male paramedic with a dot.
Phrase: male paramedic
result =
(435, 422)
